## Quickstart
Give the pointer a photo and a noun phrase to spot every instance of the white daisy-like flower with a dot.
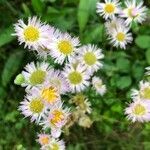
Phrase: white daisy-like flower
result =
(34, 34)
(56, 78)
(90, 56)
(144, 91)
(56, 118)
(44, 139)
(98, 85)
(138, 111)
(48, 93)
(113, 24)
(120, 37)
(134, 12)
(108, 9)
(63, 47)
(54, 144)
(33, 107)
(77, 76)
(35, 74)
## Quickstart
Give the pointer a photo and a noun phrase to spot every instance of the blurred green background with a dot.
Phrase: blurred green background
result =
(122, 71)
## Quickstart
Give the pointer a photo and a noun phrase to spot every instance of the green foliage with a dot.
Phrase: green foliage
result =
(122, 71)
(143, 41)
(11, 66)
(5, 36)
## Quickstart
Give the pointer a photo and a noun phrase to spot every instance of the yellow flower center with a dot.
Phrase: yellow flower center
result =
(146, 93)
(139, 110)
(31, 34)
(44, 140)
(58, 116)
(90, 58)
(120, 36)
(36, 106)
(49, 94)
(109, 8)
(55, 147)
(37, 77)
(65, 47)
(75, 77)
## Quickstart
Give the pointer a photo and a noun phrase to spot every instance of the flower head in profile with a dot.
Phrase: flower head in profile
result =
(108, 9)
(57, 117)
(63, 47)
(98, 85)
(90, 56)
(120, 37)
(56, 78)
(77, 77)
(34, 34)
(35, 74)
(33, 107)
(113, 24)
(134, 12)
(138, 111)
(144, 91)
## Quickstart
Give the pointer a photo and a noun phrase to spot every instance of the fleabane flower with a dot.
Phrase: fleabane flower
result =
(54, 144)
(56, 118)
(90, 56)
(120, 37)
(35, 74)
(33, 107)
(134, 12)
(49, 93)
(56, 78)
(43, 51)
(144, 91)
(34, 34)
(77, 77)
(113, 24)
(108, 9)
(98, 85)
(44, 139)
(138, 111)
(63, 47)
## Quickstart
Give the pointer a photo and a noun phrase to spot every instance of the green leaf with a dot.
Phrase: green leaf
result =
(86, 7)
(11, 66)
(143, 41)
(123, 64)
(26, 9)
(5, 36)
(148, 56)
(124, 82)
(93, 34)
(38, 6)
(137, 71)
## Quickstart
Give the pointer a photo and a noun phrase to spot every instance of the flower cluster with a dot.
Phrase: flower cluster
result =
(119, 20)
(46, 86)
(139, 109)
